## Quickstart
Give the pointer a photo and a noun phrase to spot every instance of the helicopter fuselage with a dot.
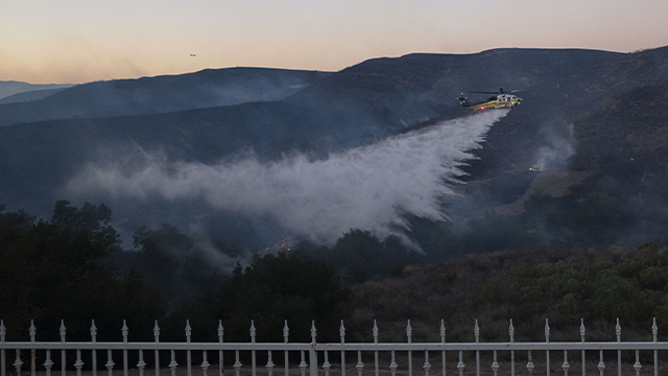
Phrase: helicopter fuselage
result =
(498, 101)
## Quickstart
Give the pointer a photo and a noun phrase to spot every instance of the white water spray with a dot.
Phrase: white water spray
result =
(369, 187)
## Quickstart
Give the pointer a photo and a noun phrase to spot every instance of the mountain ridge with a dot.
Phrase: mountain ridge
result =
(8, 88)
(162, 94)
(572, 99)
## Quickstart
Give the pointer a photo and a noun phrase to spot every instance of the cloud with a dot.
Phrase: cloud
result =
(370, 187)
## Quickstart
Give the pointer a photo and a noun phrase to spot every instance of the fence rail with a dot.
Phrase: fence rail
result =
(323, 352)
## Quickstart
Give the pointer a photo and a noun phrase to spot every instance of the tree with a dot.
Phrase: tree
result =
(359, 256)
(278, 288)
(174, 263)
(53, 270)
(90, 218)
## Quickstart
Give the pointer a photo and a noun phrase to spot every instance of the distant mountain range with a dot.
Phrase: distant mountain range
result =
(162, 94)
(14, 91)
(591, 121)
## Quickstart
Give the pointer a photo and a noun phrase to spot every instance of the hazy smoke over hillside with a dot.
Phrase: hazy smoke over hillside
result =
(369, 187)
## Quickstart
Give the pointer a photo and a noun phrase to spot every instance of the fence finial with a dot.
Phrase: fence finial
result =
(189, 331)
(3, 331)
(582, 329)
(63, 331)
(221, 331)
(375, 332)
(476, 331)
(252, 331)
(33, 331)
(286, 331)
(409, 331)
(342, 332)
(618, 331)
(313, 331)
(442, 331)
(547, 331)
(93, 331)
(124, 331)
(511, 331)
(156, 331)
(655, 329)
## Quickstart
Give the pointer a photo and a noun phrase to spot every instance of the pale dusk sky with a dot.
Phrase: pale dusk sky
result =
(76, 41)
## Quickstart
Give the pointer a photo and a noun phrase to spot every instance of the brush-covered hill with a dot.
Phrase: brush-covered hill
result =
(562, 285)
(581, 160)
(162, 94)
(10, 88)
(29, 96)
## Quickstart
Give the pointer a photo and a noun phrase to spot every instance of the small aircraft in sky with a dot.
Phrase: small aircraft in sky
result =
(193, 55)
(500, 99)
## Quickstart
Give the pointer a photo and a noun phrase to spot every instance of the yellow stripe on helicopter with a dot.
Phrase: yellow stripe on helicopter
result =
(499, 100)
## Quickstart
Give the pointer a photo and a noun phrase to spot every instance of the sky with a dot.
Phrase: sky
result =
(78, 41)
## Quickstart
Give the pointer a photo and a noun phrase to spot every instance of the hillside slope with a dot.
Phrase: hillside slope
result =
(162, 94)
(8, 88)
(591, 119)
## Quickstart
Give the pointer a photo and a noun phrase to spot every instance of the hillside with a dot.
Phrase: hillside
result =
(9, 88)
(563, 285)
(591, 127)
(162, 94)
(28, 96)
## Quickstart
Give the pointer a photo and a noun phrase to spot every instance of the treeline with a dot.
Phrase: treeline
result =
(52, 270)
(560, 284)
(71, 266)
(64, 268)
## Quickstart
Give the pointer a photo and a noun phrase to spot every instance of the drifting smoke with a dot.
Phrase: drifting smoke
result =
(559, 146)
(369, 187)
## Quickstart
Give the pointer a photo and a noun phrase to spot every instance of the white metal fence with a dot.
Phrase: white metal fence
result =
(312, 352)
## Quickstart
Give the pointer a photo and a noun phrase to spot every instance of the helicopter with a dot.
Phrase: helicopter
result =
(500, 99)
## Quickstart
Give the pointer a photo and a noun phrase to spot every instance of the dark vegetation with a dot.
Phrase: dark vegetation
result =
(68, 267)
(61, 268)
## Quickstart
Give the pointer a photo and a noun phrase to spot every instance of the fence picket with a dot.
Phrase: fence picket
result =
(93, 339)
(221, 331)
(110, 363)
(655, 332)
(342, 333)
(188, 353)
(124, 331)
(286, 331)
(33, 333)
(141, 364)
(3, 333)
(511, 334)
(547, 352)
(18, 363)
(618, 332)
(443, 341)
(582, 336)
(205, 364)
(63, 332)
(48, 363)
(565, 366)
(409, 334)
(375, 353)
(156, 336)
(476, 331)
(252, 335)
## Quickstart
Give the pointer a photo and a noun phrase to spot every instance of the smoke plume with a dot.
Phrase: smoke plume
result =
(369, 187)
